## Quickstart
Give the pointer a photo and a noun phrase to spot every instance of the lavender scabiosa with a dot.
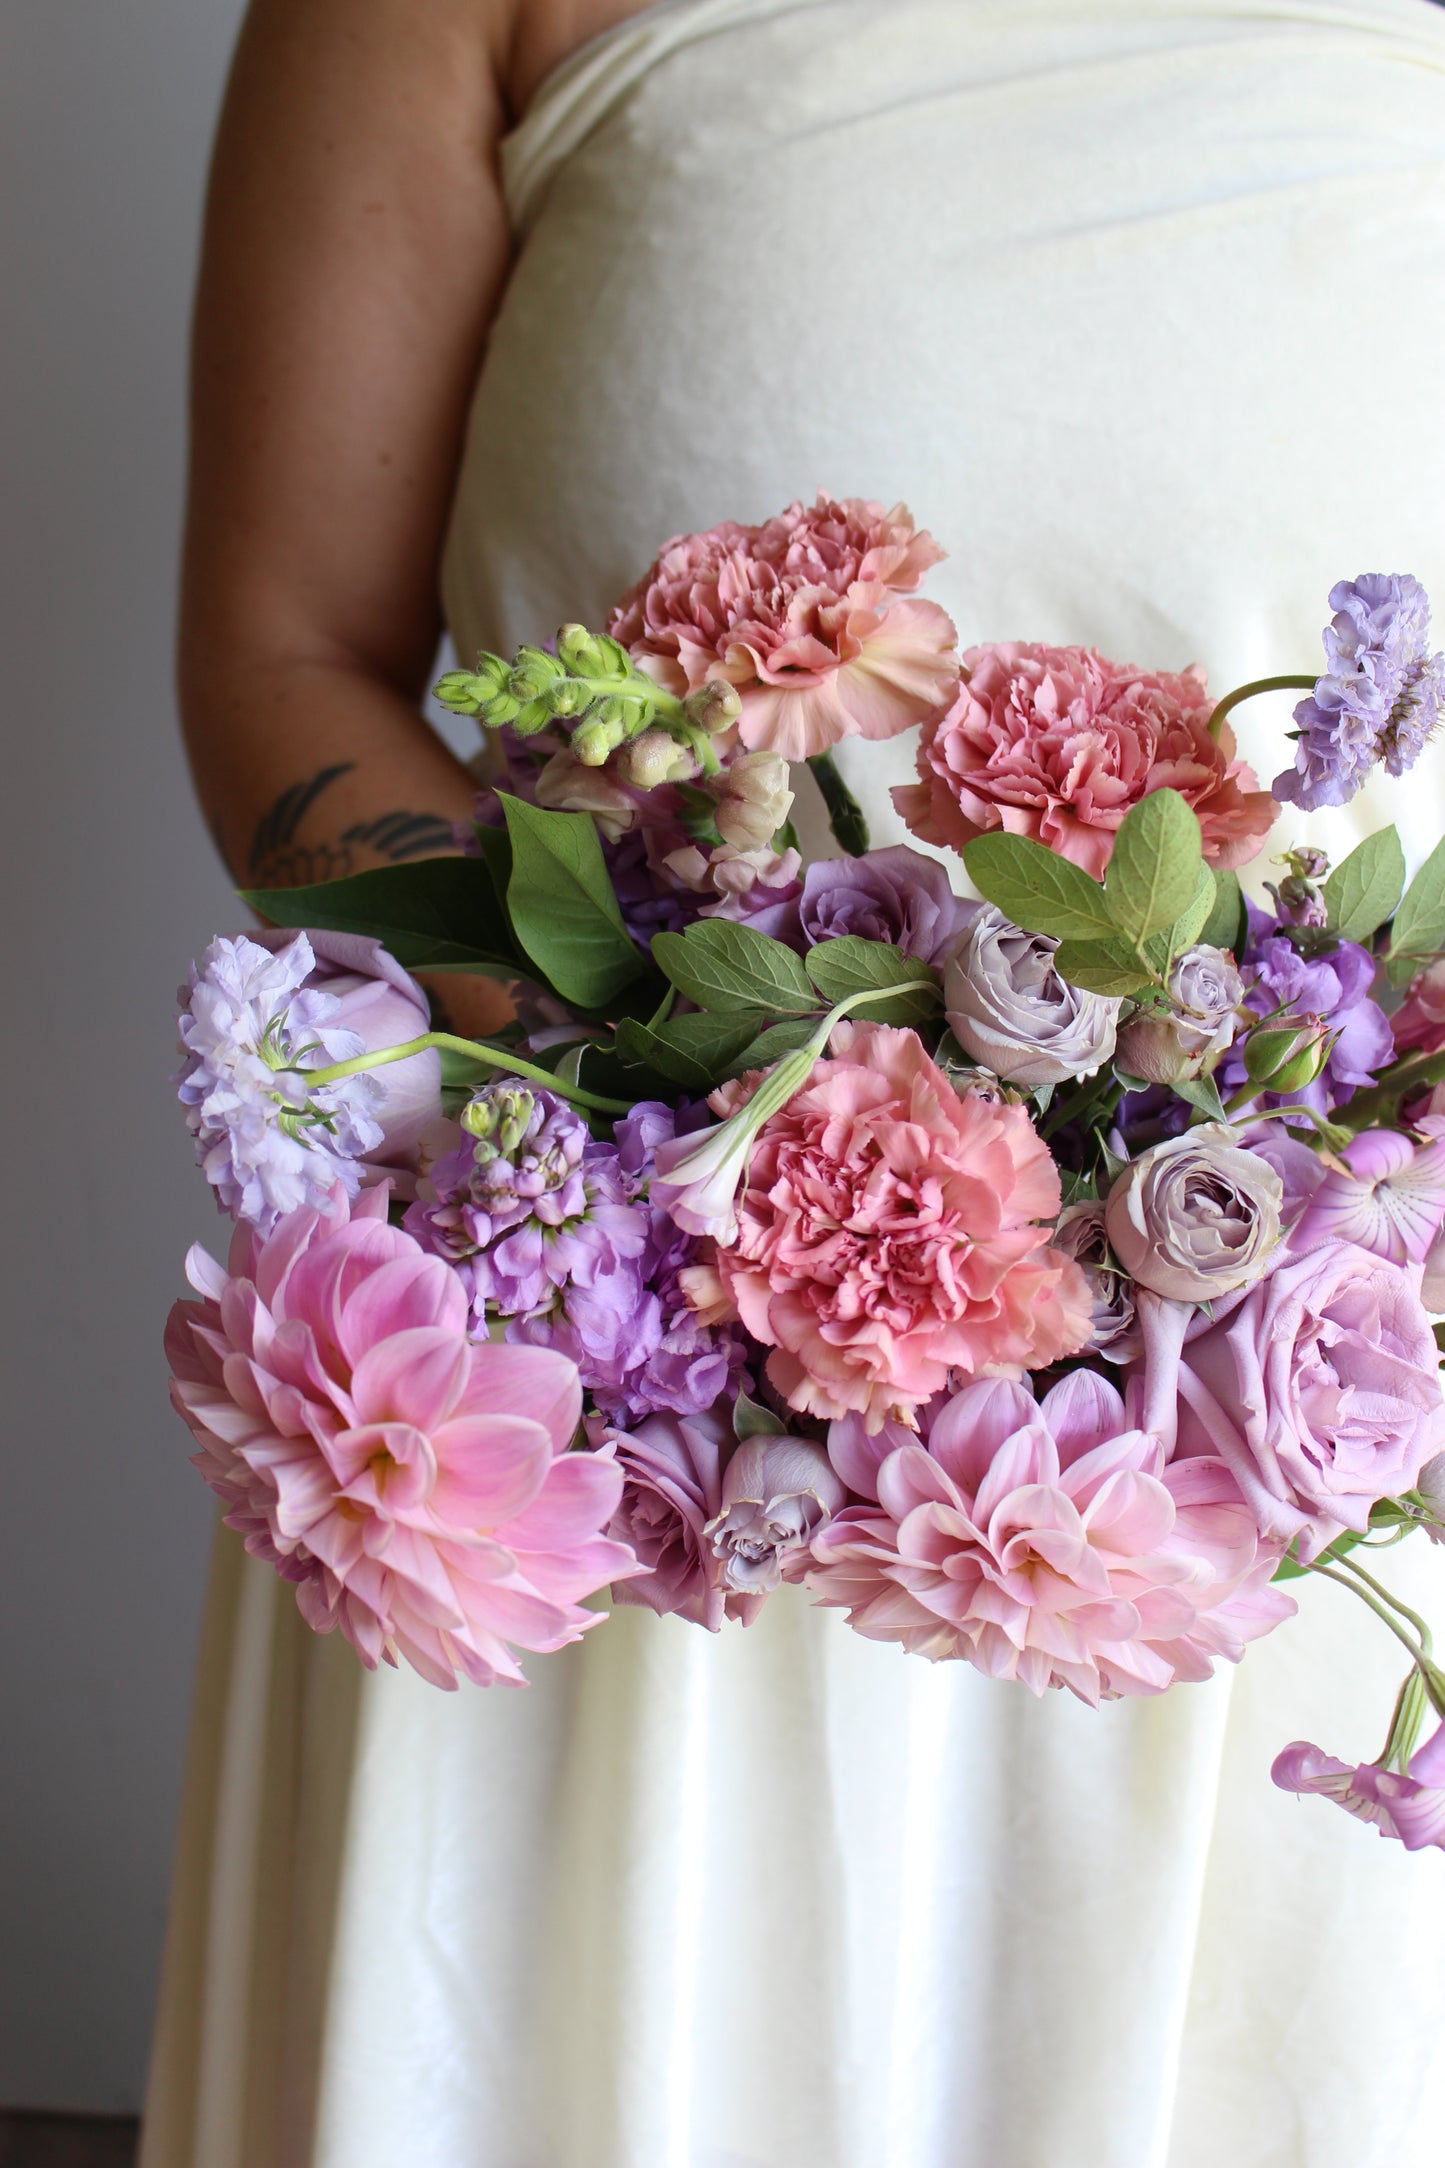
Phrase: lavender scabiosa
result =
(267, 1141)
(1379, 698)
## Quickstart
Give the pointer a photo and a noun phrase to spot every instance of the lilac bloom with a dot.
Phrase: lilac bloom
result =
(1379, 699)
(1392, 1200)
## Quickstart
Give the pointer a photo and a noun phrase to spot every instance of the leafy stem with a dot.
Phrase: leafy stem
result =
(498, 1057)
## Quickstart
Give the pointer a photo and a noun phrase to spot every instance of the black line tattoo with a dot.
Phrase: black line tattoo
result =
(277, 860)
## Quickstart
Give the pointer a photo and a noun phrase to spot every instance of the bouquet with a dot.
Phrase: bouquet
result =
(1026, 1243)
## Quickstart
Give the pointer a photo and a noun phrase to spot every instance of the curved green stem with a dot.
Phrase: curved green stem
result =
(1242, 693)
(477, 1050)
(1419, 1624)
(845, 815)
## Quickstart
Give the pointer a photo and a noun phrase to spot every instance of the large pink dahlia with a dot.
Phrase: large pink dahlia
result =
(890, 1232)
(417, 1489)
(1058, 743)
(810, 616)
(1049, 1542)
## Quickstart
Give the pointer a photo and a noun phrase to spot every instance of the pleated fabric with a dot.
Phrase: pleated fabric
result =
(1140, 305)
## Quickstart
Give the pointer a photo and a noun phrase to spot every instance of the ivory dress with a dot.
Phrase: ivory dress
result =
(1141, 306)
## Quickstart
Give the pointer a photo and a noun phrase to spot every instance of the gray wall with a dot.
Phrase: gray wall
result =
(108, 885)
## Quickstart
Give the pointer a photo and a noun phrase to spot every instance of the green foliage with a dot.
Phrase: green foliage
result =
(563, 911)
(1101, 967)
(848, 964)
(1419, 928)
(698, 1051)
(721, 965)
(1037, 889)
(1364, 889)
(1227, 926)
(436, 914)
(752, 1420)
(1201, 1092)
(1153, 874)
(1196, 914)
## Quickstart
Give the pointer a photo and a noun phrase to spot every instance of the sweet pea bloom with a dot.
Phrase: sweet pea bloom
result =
(890, 1230)
(811, 617)
(1051, 1543)
(1392, 1200)
(1408, 1805)
(1419, 1022)
(1009, 1008)
(415, 1487)
(1058, 743)
(1319, 1387)
(1195, 1217)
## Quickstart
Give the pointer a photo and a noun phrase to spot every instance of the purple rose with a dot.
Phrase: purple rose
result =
(1080, 1234)
(895, 895)
(1008, 1007)
(1320, 1387)
(672, 1477)
(777, 1492)
(1195, 1217)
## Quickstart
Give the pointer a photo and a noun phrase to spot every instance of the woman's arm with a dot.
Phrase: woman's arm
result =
(355, 246)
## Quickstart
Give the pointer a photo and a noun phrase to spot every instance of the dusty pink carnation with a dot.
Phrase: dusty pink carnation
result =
(1419, 1022)
(1057, 743)
(416, 1488)
(889, 1234)
(1050, 1543)
(809, 616)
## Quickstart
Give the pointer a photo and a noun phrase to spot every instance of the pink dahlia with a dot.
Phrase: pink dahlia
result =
(1050, 1543)
(1409, 1805)
(809, 616)
(417, 1489)
(1057, 743)
(889, 1233)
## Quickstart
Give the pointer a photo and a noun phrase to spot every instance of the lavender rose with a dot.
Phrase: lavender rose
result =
(1321, 1389)
(1190, 1036)
(894, 895)
(1010, 1009)
(1081, 1234)
(777, 1492)
(1195, 1217)
(671, 1491)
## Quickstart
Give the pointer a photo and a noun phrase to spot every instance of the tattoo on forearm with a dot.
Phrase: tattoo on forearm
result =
(277, 860)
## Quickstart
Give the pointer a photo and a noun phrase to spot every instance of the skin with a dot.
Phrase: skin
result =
(355, 250)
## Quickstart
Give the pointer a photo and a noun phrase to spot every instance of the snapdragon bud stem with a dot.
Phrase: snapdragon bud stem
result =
(1242, 693)
(498, 1057)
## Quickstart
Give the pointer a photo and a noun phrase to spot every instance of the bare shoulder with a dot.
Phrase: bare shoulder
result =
(544, 33)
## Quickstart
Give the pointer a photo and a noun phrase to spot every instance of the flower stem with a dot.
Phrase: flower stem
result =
(1433, 1679)
(1258, 685)
(845, 815)
(1349, 1561)
(477, 1050)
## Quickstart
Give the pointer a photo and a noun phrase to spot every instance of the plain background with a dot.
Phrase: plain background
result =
(109, 886)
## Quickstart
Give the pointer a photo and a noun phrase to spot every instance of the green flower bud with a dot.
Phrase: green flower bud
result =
(595, 740)
(1285, 1057)
(458, 690)
(498, 1118)
(532, 716)
(532, 672)
(584, 653)
(713, 706)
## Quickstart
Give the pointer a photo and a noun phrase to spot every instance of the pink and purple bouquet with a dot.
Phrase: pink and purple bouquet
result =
(1042, 1273)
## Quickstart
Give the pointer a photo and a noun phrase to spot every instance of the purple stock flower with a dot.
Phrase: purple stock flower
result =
(1379, 699)
(1334, 985)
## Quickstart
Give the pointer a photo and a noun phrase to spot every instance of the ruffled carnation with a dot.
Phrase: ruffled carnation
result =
(1058, 743)
(1051, 1544)
(809, 616)
(416, 1488)
(889, 1233)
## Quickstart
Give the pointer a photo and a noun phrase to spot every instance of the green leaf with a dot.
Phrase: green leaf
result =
(1201, 1092)
(1289, 1568)
(752, 1420)
(1153, 872)
(1419, 928)
(1227, 926)
(848, 964)
(1100, 967)
(435, 914)
(1038, 890)
(698, 1051)
(562, 907)
(1364, 888)
(771, 1045)
(1184, 932)
(721, 965)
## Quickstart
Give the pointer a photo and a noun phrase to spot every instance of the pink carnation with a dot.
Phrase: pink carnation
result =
(416, 1488)
(1051, 1544)
(1419, 1022)
(1057, 743)
(804, 616)
(889, 1233)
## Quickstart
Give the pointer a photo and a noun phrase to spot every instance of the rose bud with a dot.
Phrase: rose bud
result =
(1191, 1036)
(1285, 1057)
(1195, 1217)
